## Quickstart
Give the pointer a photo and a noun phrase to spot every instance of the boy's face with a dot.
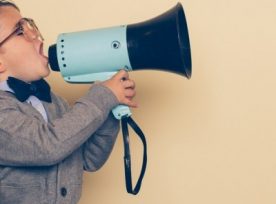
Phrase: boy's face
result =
(19, 57)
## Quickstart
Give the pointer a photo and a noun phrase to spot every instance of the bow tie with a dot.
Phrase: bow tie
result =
(23, 90)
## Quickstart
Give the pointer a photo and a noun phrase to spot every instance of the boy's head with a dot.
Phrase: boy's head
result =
(21, 46)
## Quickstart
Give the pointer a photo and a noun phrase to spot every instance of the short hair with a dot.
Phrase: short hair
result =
(8, 3)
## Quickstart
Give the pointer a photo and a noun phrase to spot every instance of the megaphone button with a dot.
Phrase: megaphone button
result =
(116, 44)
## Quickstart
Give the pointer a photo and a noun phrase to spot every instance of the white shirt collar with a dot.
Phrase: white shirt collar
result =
(5, 87)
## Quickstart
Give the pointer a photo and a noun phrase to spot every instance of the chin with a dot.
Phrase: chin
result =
(41, 75)
(46, 71)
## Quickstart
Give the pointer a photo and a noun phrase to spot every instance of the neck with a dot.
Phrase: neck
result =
(3, 78)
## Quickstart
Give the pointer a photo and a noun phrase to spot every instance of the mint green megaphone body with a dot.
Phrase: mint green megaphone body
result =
(81, 63)
(95, 55)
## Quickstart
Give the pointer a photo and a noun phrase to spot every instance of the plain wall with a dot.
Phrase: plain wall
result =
(211, 139)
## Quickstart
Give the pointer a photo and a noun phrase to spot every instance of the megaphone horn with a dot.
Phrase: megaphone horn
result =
(162, 43)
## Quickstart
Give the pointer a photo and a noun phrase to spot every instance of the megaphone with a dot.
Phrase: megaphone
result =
(161, 43)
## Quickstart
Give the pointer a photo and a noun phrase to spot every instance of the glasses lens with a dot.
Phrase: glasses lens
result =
(30, 26)
(31, 31)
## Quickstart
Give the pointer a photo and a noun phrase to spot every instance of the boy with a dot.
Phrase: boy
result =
(44, 144)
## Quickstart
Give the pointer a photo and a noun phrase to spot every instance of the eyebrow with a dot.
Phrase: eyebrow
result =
(17, 24)
(14, 27)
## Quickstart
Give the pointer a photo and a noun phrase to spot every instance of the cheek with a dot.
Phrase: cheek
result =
(21, 63)
(23, 59)
(23, 56)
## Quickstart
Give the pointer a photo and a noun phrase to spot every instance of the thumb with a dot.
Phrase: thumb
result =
(121, 75)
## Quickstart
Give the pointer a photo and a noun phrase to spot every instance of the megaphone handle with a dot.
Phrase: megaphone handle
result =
(121, 111)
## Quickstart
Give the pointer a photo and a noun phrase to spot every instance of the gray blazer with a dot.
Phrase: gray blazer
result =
(43, 163)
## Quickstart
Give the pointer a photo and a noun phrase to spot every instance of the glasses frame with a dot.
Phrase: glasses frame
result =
(19, 30)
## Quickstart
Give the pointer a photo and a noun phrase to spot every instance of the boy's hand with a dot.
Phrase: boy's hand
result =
(123, 88)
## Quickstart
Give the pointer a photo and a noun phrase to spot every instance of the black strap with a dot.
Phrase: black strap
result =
(127, 157)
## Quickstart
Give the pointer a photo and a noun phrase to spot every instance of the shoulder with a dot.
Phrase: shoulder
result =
(60, 101)
(7, 99)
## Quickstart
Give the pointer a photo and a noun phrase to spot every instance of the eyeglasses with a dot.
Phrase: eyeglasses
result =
(26, 27)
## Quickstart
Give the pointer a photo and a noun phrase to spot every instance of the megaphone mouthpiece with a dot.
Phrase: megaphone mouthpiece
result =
(53, 60)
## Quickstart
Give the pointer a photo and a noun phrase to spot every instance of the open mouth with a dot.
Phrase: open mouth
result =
(41, 51)
(43, 57)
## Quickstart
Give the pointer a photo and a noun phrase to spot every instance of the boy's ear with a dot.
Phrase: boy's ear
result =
(3, 66)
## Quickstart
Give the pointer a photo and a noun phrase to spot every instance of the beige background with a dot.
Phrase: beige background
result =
(211, 139)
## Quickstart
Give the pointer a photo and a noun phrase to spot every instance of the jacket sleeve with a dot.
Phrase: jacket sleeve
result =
(29, 141)
(98, 147)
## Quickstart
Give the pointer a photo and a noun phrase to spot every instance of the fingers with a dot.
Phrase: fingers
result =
(129, 84)
(130, 103)
(130, 93)
(124, 88)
